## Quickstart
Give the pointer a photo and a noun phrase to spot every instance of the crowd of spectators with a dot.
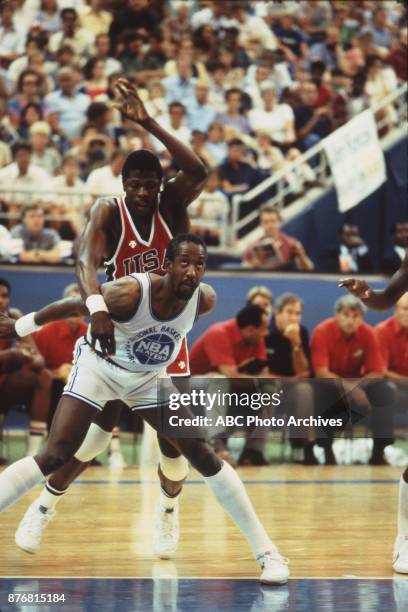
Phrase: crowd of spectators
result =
(248, 85)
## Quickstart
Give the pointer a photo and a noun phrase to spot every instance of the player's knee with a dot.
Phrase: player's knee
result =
(201, 456)
(53, 458)
(95, 442)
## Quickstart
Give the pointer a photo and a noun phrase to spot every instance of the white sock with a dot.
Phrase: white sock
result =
(17, 479)
(38, 430)
(114, 445)
(230, 493)
(403, 509)
(167, 502)
(50, 497)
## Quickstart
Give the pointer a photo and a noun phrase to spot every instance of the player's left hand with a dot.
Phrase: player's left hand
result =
(131, 106)
(358, 288)
(7, 327)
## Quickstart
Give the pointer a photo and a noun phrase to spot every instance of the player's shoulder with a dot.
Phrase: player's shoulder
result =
(208, 299)
(15, 313)
(104, 209)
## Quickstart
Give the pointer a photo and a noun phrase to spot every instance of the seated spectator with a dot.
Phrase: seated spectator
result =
(23, 377)
(102, 52)
(381, 82)
(29, 89)
(291, 39)
(5, 154)
(380, 28)
(98, 116)
(187, 50)
(174, 123)
(137, 63)
(358, 99)
(68, 106)
(209, 212)
(43, 155)
(311, 123)
(235, 349)
(216, 145)
(329, 51)
(216, 95)
(345, 347)
(80, 39)
(237, 176)
(392, 262)
(11, 38)
(74, 205)
(232, 116)
(48, 16)
(156, 105)
(392, 336)
(96, 81)
(40, 245)
(180, 87)
(288, 352)
(56, 343)
(198, 144)
(261, 296)
(276, 119)
(398, 56)
(30, 114)
(340, 86)
(93, 18)
(94, 151)
(275, 250)
(200, 114)
(21, 174)
(133, 16)
(352, 255)
(108, 179)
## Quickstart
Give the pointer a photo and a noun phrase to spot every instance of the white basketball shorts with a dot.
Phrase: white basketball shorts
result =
(96, 381)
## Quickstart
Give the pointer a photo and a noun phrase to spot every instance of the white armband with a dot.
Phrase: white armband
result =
(96, 303)
(26, 325)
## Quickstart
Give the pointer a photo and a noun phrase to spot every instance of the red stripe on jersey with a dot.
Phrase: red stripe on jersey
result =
(133, 254)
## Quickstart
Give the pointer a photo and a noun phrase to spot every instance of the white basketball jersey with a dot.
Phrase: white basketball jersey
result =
(145, 343)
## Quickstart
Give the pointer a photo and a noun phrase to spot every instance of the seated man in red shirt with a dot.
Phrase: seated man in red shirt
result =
(344, 347)
(235, 349)
(276, 250)
(392, 336)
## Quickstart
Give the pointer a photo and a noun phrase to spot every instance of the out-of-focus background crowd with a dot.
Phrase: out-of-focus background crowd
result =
(251, 86)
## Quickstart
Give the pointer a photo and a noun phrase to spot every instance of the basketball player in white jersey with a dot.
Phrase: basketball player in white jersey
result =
(128, 235)
(151, 315)
(382, 300)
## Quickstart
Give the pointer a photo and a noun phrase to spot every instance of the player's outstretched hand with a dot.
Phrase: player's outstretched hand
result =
(131, 105)
(358, 288)
(102, 330)
(7, 327)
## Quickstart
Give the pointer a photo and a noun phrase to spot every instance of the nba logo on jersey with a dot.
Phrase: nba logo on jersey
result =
(155, 348)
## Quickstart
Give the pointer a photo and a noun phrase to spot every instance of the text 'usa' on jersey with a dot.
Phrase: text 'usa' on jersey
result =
(133, 255)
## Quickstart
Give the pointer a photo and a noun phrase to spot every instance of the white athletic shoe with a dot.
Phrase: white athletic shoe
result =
(274, 567)
(31, 528)
(116, 460)
(167, 532)
(400, 557)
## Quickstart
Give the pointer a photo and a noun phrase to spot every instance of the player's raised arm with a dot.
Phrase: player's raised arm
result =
(380, 300)
(187, 185)
(92, 250)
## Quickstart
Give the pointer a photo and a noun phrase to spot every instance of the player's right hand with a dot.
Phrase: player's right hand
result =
(103, 331)
(358, 288)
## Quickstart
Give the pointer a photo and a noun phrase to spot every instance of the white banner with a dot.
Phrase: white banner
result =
(356, 160)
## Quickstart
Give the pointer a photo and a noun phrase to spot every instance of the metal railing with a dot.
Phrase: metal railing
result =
(278, 184)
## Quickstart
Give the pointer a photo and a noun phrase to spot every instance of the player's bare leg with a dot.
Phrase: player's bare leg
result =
(43, 509)
(400, 558)
(230, 493)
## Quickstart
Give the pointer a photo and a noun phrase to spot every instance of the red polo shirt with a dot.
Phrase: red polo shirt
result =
(393, 341)
(223, 344)
(347, 356)
(56, 342)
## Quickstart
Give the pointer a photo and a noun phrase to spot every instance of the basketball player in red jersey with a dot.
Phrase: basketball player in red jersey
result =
(382, 300)
(128, 235)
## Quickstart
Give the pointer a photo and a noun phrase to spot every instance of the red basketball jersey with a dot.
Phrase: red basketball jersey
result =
(133, 254)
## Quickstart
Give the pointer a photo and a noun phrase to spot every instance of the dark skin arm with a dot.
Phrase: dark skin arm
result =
(190, 180)
(176, 196)
(380, 300)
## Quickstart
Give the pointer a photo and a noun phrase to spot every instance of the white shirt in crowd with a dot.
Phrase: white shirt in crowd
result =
(34, 178)
(272, 122)
(209, 206)
(183, 133)
(102, 181)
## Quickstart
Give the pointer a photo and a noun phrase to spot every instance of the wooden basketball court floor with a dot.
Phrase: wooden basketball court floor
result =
(336, 524)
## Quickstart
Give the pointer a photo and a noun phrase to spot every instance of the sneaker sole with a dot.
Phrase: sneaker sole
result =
(274, 582)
